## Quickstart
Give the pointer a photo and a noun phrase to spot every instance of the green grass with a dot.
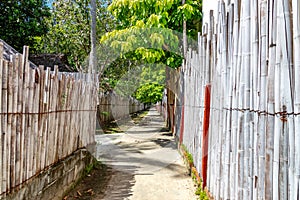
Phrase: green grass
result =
(189, 158)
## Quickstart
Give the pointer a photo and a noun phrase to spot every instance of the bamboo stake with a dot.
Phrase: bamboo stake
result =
(24, 139)
(34, 125)
(246, 80)
(278, 124)
(271, 100)
(234, 182)
(262, 99)
(253, 162)
(42, 134)
(287, 76)
(240, 100)
(51, 122)
(55, 89)
(19, 133)
(13, 158)
(30, 147)
(4, 126)
(1, 118)
(9, 125)
(296, 37)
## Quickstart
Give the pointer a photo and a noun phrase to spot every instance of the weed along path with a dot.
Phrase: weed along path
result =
(143, 164)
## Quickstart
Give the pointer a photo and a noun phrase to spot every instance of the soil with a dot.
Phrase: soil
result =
(93, 185)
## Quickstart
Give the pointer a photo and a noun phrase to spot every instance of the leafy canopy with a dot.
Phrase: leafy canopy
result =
(21, 21)
(69, 29)
(150, 31)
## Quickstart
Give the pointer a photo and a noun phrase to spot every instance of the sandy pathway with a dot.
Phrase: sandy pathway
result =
(145, 163)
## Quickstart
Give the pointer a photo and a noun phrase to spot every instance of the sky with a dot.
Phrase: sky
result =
(208, 5)
(49, 3)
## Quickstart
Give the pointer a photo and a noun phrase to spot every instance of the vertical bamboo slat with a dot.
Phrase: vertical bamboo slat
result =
(25, 111)
(1, 117)
(13, 159)
(4, 126)
(19, 145)
(296, 36)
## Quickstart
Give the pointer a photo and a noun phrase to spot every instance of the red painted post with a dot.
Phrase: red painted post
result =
(205, 134)
(181, 124)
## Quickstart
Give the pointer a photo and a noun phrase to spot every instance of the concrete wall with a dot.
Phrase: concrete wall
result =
(53, 182)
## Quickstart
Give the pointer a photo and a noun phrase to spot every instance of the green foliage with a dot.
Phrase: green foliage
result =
(21, 21)
(201, 193)
(150, 31)
(69, 29)
(189, 156)
(149, 93)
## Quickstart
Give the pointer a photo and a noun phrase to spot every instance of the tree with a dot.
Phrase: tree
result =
(150, 31)
(93, 55)
(21, 21)
(69, 29)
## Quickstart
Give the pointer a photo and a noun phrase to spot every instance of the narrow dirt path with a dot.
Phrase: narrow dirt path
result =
(144, 164)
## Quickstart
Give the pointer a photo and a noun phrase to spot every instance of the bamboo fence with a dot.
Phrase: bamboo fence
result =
(114, 107)
(44, 117)
(249, 55)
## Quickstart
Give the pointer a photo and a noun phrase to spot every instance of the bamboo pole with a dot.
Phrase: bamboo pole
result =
(4, 126)
(253, 174)
(270, 100)
(30, 147)
(51, 121)
(287, 148)
(240, 100)
(262, 99)
(296, 42)
(42, 134)
(19, 145)
(9, 125)
(24, 138)
(34, 126)
(278, 124)
(235, 38)
(1, 118)
(13, 158)
(55, 89)
(246, 81)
